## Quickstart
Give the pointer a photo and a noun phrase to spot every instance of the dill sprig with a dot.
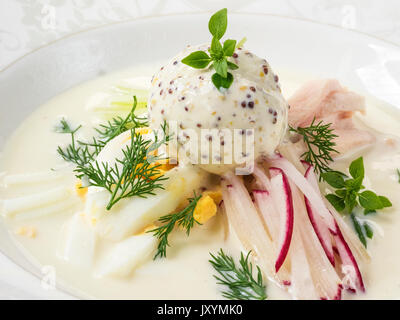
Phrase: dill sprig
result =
(183, 218)
(64, 127)
(115, 127)
(74, 152)
(318, 138)
(132, 175)
(81, 153)
(239, 281)
(135, 174)
(119, 125)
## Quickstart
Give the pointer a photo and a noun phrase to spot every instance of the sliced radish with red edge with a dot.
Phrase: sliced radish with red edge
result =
(282, 196)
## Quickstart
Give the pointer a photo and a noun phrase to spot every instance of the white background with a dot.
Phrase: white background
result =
(26, 25)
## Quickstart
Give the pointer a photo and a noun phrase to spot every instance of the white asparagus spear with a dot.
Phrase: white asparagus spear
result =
(78, 242)
(30, 178)
(127, 255)
(132, 215)
(18, 205)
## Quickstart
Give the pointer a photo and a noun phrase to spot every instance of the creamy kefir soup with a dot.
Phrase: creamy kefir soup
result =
(105, 184)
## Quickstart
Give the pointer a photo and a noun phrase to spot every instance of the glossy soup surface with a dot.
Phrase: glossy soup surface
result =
(186, 274)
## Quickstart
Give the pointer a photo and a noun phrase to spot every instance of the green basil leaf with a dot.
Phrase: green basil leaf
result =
(337, 202)
(221, 82)
(369, 211)
(218, 23)
(369, 200)
(345, 176)
(359, 229)
(350, 201)
(385, 202)
(357, 184)
(197, 59)
(353, 184)
(216, 50)
(229, 47)
(356, 168)
(334, 179)
(341, 192)
(232, 66)
(221, 67)
(368, 230)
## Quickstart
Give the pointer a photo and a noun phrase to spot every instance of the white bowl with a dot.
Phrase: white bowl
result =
(366, 64)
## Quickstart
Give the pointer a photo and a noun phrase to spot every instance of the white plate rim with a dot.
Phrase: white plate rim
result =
(105, 26)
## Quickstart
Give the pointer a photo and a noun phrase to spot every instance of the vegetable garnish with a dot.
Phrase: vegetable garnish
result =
(359, 228)
(81, 153)
(398, 173)
(119, 125)
(239, 281)
(182, 218)
(218, 52)
(318, 138)
(350, 193)
(133, 175)
(362, 229)
(115, 127)
(74, 152)
(241, 43)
